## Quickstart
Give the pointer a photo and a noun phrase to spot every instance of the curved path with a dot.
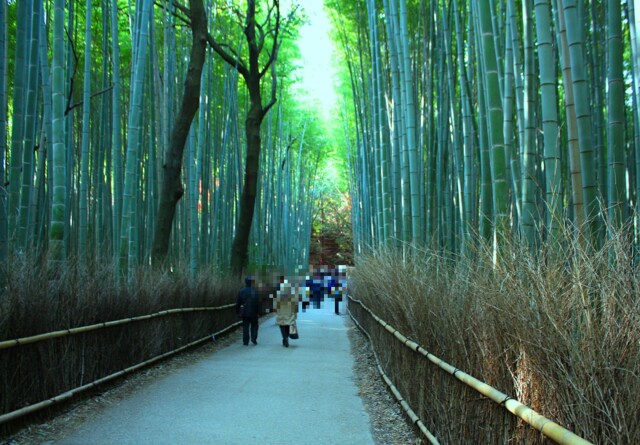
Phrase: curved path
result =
(263, 394)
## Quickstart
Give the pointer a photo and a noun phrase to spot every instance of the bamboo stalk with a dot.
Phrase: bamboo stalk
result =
(412, 415)
(64, 332)
(546, 426)
(68, 394)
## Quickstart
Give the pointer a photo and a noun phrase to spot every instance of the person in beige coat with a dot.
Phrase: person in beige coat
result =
(286, 306)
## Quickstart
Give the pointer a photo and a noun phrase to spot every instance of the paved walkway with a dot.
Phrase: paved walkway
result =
(263, 394)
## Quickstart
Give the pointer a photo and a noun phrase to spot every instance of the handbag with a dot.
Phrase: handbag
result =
(293, 331)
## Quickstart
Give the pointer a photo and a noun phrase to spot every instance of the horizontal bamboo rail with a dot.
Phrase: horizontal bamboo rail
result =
(64, 332)
(407, 408)
(552, 430)
(68, 394)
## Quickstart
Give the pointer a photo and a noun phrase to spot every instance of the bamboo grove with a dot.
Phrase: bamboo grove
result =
(492, 118)
(90, 91)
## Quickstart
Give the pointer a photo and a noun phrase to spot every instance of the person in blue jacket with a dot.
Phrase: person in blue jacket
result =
(249, 307)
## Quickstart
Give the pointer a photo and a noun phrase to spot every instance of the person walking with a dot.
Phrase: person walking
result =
(286, 306)
(248, 306)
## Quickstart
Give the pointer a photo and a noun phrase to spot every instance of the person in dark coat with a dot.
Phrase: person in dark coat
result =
(249, 307)
(314, 283)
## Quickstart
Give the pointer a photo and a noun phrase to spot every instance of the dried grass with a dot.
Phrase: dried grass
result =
(561, 333)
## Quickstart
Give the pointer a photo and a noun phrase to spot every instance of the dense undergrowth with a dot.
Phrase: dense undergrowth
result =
(33, 304)
(560, 333)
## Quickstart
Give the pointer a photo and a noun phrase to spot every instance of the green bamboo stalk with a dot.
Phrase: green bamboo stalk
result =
(201, 167)
(57, 228)
(583, 117)
(595, 47)
(116, 156)
(399, 174)
(84, 157)
(376, 136)
(71, 203)
(550, 122)
(468, 225)
(516, 155)
(615, 116)
(412, 149)
(4, 220)
(26, 193)
(529, 204)
(385, 168)
(128, 237)
(485, 207)
(19, 109)
(44, 178)
(457, 166)
(192, 188)
(575, 170)
(508, 101)
(494, 109)
(441, 184)
(634, 25)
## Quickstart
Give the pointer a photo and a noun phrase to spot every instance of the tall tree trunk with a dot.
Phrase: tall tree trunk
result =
(172, 189)
(253, 75)
(240, 246)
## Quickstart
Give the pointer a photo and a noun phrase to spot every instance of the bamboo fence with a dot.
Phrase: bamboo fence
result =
(64, 332)
(552, 430)
(12, 415)
(405, 405)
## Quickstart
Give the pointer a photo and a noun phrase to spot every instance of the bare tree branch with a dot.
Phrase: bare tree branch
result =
(268, 19)
(97, 93)
(173, 13)
(261, 37)
(73, 74)
(184, 9)
(236, 62)
(276, 33)
(274, 86)
(229, 48)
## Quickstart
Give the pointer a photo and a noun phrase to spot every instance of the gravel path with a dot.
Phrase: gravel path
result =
(387, 421)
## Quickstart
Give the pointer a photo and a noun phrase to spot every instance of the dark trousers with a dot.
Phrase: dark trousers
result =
(337, 304)
(284, 330)
(246, 322)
